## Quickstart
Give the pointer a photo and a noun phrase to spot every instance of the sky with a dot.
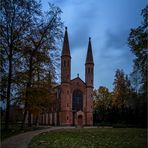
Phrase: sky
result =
(108, 23)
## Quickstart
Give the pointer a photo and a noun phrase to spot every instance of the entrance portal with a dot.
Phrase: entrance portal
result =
(80, 120)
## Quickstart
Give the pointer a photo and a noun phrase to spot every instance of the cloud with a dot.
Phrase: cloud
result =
(115, 44)
(113, 54)
(80, 18)
(117, 39)
(108, 23)
(78, 63)
(79, 39)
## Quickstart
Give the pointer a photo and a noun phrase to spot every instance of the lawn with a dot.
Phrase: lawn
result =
(92, 138)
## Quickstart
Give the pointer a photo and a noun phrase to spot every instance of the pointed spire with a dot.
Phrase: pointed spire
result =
(66, 50)
(89, 57)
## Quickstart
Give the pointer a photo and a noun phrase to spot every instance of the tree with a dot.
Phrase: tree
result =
(119, 90)
(137, 41)
(16, 18)
(40, 54)
(29, 52)
(122, 95)
(102, 103)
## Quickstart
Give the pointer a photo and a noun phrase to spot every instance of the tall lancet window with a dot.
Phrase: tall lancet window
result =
(77, 100)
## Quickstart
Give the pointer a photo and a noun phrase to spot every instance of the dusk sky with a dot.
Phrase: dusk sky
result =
(108, 23)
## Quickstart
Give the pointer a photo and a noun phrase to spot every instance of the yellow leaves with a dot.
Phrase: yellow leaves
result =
(38, 98)
(102, 98)
(103, 90)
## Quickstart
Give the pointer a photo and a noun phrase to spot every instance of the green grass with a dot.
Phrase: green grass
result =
(92, 138)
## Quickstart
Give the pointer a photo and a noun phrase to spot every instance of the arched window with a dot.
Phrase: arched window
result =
(67, 63)
(88, 70)
(77, 100)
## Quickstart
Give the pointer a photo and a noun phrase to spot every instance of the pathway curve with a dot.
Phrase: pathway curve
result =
(22, 140)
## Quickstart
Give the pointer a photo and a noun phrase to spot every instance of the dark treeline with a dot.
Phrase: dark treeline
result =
(29, 55)
(127, 103)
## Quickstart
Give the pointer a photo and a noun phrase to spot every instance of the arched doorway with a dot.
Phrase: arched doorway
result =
(80, 120)
(77, 105)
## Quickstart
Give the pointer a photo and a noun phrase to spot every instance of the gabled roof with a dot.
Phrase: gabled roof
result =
(89, 57)
(79, 79)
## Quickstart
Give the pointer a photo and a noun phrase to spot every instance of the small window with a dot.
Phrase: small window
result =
(67, 105)
(67, 117)
(68, 76)
(67, 92)
(88, 70)
(68, 63)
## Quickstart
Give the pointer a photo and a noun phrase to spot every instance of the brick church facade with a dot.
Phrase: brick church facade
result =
(73, 98)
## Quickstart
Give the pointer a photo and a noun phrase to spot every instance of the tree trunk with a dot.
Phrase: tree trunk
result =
(24, 116)
(29, 119)
(28, 86)
(8, 91)
(37, 120)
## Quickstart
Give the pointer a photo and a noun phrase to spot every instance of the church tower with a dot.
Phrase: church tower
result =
(65, 60)
(65, 106)
(73, 98)
(89, 78)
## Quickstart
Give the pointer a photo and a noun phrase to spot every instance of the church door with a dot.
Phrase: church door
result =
(80, 120)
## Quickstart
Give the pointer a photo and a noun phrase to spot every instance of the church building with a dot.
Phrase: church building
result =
(73, 97)
(76, 96)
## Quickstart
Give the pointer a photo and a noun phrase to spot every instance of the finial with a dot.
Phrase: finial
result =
(89, 38)
(77, 75)
(66, 28)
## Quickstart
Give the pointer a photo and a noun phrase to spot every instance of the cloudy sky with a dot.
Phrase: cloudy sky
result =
(108, 23)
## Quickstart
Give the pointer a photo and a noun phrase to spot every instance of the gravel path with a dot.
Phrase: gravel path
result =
(22, 140)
